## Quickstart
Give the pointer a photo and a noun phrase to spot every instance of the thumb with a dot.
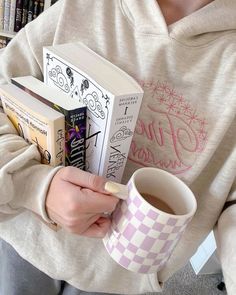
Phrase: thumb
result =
(84, 179)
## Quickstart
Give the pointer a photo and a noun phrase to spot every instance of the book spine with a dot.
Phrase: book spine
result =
(24, 13)
(41, 7)
(57, 143)
(6, 18)
(1, 14)
(36, 8)
(47, 136)
(12, 15)
(18, 15)
(30, 11)
(121, 124)
(75, 130)
(76, 135)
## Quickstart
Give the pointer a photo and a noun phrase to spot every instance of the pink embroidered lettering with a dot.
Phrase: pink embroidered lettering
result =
(173, 133)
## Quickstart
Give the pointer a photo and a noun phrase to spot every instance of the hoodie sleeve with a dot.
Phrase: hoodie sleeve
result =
(23, 180)
(225, 233)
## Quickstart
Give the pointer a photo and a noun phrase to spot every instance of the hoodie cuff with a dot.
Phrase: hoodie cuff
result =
(39, 179)
(24, 180)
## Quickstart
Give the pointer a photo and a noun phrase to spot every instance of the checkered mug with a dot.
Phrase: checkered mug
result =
(142, 237)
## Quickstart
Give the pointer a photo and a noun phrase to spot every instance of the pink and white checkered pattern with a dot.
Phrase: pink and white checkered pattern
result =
(141, 239)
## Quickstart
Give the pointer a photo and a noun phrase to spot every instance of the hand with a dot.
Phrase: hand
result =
(77, 200)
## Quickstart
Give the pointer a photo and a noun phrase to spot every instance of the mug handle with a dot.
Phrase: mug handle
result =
(119, 190)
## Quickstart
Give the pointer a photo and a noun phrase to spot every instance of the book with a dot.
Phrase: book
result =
(73, 110)
(30, 11)
(18, 15)
(36, 8)
(112, 97)
(1, 14)
(36, 122)
(12, 15)
(41, 7)
(24, 13)
(6, 15)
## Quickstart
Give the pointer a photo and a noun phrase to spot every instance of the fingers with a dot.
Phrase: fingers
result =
(87, 195)
(94, 202)
(92, 226)
(84, 179)
(98, 229)
(76, 201)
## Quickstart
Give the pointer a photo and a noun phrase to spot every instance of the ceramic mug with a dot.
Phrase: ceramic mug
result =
(142, 237)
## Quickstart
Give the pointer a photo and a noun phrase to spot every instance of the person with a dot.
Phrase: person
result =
(183, 55)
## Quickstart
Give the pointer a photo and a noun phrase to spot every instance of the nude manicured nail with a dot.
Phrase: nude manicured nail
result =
(118, 190)
(112, 187)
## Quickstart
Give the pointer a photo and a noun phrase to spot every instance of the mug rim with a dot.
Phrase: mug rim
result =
(177, 216)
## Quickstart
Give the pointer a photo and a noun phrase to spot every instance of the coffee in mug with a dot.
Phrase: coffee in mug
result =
(157, 203)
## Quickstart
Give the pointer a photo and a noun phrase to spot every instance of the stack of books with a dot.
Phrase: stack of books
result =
(82, 115)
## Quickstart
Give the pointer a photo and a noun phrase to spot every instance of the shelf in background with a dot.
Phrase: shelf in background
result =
(47, 4)
(7, 34)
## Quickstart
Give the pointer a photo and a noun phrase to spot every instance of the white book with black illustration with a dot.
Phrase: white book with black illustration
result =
(113, 99)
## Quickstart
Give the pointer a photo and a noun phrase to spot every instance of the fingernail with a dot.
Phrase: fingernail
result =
(112, 187)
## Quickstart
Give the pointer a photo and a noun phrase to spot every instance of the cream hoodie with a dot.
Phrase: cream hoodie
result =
(186, 126)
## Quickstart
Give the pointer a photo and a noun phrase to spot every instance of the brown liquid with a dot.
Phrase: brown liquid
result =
(157, 203)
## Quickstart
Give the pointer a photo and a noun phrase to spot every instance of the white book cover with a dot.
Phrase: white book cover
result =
(112, 97)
